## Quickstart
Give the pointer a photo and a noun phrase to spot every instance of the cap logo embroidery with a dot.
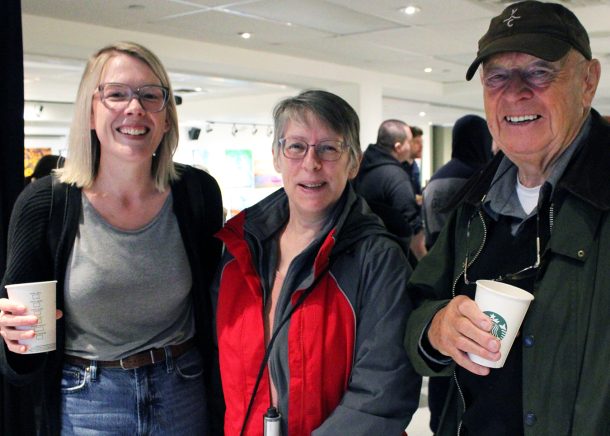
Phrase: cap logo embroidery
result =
(510, 20)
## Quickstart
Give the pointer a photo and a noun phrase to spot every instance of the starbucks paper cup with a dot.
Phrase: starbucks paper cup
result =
(39, 299)
(506, 306)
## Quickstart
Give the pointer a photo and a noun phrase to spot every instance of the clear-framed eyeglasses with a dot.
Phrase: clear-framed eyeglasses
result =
(327, 150)
(523, 273)
(117, 96)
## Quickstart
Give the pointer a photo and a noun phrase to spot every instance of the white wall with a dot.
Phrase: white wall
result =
(216, 150)
(363, 89)
(374, 95)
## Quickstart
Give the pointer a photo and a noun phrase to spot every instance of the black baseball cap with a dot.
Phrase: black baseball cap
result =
(544, 30)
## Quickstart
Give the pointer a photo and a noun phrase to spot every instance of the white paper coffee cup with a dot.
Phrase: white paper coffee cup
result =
(40, 299)
(506, 306)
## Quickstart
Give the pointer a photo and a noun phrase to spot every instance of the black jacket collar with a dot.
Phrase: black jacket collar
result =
(586, 176)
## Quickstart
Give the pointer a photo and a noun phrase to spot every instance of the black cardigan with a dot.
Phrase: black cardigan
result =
(32, 257)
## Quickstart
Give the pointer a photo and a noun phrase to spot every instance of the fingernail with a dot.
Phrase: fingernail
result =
(485, 325)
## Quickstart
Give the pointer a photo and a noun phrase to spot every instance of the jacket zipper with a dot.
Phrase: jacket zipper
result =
(551, 223)
(457, 384)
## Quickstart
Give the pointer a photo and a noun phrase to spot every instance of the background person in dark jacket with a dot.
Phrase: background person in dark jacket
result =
(386, 186)
(470, 151)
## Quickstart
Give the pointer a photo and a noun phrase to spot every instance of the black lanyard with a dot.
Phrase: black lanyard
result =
(261, 370)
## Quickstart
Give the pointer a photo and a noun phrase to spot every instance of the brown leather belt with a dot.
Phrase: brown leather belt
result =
(148, 357)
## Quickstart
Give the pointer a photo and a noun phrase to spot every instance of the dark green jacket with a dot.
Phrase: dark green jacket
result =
(566, 367)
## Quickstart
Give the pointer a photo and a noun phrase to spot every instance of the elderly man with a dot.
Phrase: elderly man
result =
(537, 218)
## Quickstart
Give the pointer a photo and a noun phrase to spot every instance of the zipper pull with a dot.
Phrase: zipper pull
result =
(271, 422)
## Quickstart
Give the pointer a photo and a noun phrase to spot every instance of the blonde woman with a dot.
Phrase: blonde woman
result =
(133, 258)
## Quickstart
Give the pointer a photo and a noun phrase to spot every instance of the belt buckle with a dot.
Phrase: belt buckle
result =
(130, 366)
(122, 366)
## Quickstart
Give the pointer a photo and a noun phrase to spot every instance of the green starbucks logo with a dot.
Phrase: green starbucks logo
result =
(499, 324)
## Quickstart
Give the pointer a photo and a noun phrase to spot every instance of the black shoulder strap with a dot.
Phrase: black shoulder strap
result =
(274, 336)
(195, 194)
(57, 214)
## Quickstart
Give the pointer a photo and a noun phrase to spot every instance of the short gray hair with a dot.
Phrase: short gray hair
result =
(390, 132)
(329, 108)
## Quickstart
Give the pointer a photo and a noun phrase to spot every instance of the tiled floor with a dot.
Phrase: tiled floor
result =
(419, 425)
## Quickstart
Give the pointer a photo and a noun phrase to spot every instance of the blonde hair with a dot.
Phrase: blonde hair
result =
(83, 144)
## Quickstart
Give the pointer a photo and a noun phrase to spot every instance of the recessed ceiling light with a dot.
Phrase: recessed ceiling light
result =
(410, 10)
(422, 114)
(188, 90)
(245, 35)
(427, 70)
(288, 24)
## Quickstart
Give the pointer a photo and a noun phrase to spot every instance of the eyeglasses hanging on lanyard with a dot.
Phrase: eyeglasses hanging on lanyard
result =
(524, 273)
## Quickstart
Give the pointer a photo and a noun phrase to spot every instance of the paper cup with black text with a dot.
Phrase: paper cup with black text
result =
(506, 306)
(40, 299)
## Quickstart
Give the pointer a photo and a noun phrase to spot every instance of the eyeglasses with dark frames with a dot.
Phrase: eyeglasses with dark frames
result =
(327, 150)
(497, 78)
(524, 273)
(117, 96)
(539, 74)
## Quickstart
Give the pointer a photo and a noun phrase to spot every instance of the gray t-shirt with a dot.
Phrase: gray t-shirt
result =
(127, 291)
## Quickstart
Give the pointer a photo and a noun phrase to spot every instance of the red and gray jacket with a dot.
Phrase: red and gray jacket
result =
(338, 363)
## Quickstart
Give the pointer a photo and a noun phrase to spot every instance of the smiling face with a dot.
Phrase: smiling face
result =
(130, 134)
(312, 185)
(535, 108)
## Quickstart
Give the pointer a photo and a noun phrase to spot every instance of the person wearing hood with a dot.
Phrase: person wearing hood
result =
(310, 300)
(470, 151)
(386, 186)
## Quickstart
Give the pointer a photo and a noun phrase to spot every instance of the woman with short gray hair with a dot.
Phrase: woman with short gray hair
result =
(311, 301)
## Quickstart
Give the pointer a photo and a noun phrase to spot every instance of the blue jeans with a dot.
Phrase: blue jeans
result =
(166, 398)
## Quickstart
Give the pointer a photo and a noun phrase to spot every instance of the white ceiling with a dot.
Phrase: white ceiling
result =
(365, 34)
